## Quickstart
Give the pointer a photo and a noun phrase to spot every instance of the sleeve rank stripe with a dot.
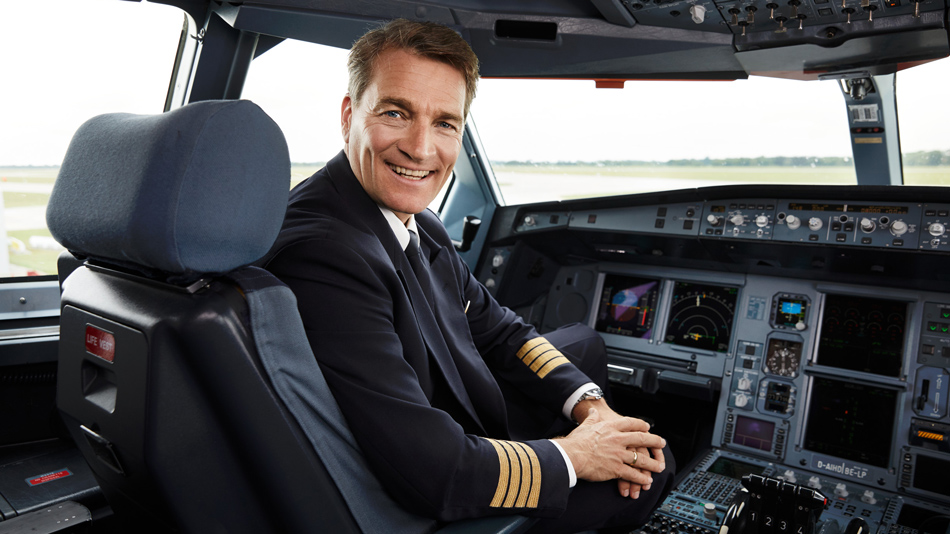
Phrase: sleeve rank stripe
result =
(527, 474)
(543, 360)
(503, 476)
(519, 481)
(537, 351)
(514, 481)
(547, 368)
(535, 494)
(532, 343)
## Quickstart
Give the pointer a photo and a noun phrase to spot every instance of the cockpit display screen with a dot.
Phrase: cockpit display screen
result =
(701, 316)
(851, 421)
(863, 334)
(754, 433)
(627, 306)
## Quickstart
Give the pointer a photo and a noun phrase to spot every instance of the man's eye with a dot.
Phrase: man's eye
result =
(450, 126)
(392, 113)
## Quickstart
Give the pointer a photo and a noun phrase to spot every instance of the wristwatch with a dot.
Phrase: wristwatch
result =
(590, 394)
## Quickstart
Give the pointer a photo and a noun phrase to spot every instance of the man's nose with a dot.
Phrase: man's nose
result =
(419, 143)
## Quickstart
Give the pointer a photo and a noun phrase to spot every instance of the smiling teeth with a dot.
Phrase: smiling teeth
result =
(406, 172)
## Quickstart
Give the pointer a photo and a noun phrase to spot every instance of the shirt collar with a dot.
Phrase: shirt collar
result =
(399, 229)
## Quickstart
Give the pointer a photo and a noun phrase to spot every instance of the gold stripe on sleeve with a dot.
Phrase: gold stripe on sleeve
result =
(534, 353)
(504, 479)
(532, 343)
(543, 359)
(515, 479)
(548, 367)
(527, 475)
(535, 478)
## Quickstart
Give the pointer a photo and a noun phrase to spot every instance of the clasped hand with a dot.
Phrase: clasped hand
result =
(607, 446)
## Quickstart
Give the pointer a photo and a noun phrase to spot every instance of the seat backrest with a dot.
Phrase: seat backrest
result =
(184, 377)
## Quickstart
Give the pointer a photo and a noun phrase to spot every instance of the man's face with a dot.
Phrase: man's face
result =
(404, 136)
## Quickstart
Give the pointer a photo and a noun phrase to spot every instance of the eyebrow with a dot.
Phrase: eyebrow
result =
(406, 105)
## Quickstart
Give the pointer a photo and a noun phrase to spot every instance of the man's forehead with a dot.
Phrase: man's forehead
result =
(398, 75)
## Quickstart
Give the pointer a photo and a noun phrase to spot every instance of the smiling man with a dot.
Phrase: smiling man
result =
(452, 397)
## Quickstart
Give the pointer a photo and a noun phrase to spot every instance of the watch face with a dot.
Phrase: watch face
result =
(783, 358)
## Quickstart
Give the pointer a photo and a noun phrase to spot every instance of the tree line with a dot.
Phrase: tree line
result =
(922, 158)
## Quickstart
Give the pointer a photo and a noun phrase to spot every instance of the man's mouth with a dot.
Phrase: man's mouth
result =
(408, 173)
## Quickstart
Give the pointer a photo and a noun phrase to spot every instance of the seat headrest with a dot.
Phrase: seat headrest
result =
(201, 189)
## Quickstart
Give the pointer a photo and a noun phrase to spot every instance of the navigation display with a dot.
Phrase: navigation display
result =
(627, 306)
(851, 421)
(701, 316)
(863, 334)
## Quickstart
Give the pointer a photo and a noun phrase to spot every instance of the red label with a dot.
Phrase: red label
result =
(48, 477)
(100, 343)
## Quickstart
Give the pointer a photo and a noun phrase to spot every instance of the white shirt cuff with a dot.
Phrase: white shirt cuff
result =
(572, 476)
(572, 400)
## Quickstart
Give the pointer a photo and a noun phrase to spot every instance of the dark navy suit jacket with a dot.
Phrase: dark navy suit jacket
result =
(414, 378)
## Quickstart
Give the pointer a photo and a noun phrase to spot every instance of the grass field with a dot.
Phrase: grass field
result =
(28, 188)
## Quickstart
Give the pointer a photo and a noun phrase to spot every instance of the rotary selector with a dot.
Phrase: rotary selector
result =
(814, 224)
(898, 228)
(762, 221)
(936, 229)
(793, 222)
(867, 225)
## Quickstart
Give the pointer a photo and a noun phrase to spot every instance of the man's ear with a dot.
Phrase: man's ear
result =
(346, 117)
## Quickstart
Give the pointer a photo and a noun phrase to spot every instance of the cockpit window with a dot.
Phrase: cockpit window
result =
(924, 124)
(558, 139)
(65, 62)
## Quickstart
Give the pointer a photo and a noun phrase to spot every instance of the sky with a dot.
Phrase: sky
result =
(81, 58)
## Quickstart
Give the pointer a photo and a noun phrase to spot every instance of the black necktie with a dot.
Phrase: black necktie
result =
(420, 265)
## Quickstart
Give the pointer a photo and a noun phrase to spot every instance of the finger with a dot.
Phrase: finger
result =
(637, 440)
(636, 476)
(658, 456)
(644, 453)
(643, 460)
(628, 489)
(632, 424)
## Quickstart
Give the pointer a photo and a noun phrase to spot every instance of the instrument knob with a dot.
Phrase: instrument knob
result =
(868, 497)
(529, 220)
(867, 225)
(713, 220)
(789, 476)
(898, 227)
(709, 510)
(742, 400)
(936, 229)
(762, 221)
(745, 384)
(814, 482)
(497, 260)
(737, 220)
(793, 222)
(814, 224)
(841, 490)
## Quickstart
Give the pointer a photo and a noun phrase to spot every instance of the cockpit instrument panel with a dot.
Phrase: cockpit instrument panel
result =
(701, 316)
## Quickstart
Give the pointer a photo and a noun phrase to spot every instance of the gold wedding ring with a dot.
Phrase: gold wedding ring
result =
(635, 458)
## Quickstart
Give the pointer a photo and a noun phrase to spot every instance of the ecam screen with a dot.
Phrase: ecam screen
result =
(851, 421)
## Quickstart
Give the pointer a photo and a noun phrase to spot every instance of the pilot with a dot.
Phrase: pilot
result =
(451, 397)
